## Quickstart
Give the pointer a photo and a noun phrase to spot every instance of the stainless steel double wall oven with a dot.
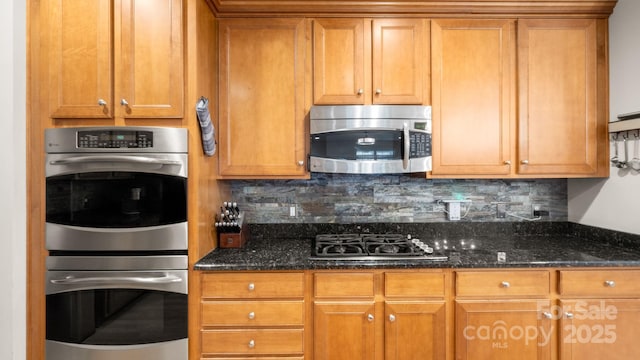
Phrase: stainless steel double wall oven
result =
(116, 231)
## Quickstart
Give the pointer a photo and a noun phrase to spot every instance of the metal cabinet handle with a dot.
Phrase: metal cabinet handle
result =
(507, 162)
(124, 102)
(378, 91)
(524, 162)
(610, 283)
(392, 318)
(370, 317)
(300, 162)
(360, 91)
(547, 315)
(251, 287)
(568, 315)
(252, 344)
(252, 315)
(101, 102)
(505, 284)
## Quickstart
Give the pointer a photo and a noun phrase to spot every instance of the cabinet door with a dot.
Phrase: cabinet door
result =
(399, 60)
(562, 121)
(600, 329)
(79, 56)
(262, 115)
(344, 331)
(149, 58)
(339, 61)
(415, 330)
(473, 96)
(503, 330)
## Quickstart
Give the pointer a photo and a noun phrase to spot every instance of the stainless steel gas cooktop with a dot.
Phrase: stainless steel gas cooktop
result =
(371, 247)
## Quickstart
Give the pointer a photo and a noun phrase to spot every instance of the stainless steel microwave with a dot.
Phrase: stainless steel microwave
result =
(370, 139)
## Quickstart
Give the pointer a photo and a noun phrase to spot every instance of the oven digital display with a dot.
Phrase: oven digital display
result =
(115, 139)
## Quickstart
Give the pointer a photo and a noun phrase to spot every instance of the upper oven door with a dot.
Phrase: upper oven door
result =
(116, 202)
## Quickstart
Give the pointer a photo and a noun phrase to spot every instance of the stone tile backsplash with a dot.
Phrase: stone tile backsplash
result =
(339, 198)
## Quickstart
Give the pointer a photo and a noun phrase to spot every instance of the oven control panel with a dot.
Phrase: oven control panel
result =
(109, 139)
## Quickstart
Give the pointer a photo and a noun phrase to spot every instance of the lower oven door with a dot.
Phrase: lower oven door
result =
(109, 315)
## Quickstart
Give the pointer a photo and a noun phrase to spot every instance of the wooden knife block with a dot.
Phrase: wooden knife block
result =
(233, 240)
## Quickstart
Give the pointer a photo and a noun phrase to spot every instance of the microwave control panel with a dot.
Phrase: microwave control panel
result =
(420, 144)
(109, 139)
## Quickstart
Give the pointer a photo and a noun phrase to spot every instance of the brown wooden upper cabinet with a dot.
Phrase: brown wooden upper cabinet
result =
(114, 58)
(563, 82)
(364, 61)
(262, 98)
(474, 92)
(552, 124)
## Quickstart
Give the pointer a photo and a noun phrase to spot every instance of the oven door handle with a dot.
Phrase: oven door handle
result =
(72, 280)
(115, 158)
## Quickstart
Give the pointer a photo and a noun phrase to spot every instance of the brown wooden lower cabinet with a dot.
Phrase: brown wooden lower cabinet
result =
(503, 330)
(465, 314)
(252, 315)
(598, 314)
(344, 330)
(415, 330)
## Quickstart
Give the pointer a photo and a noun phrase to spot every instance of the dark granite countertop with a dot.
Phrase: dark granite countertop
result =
(468, 245)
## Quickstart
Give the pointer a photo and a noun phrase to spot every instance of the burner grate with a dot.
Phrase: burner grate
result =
(365, 245)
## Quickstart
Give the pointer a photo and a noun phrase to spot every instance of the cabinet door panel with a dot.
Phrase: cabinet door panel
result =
(600, 329)
(415, 330)
(503, 330)
(338, 61)
(149, 58)
(473, 96)
(344, 331)
(399, 60)
(558, 80)
(79, 56)
(262, 115)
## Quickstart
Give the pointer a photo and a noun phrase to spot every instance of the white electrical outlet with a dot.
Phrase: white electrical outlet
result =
(454, 211)
(292, 211)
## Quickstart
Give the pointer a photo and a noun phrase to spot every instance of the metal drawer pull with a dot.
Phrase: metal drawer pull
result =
(547, 315)
(360, 91)
(251, 286)
(252, 344)
(370, 317)
(252, 315)
(568, 315)
(101, 102)
(378, 91)
(505, 284)
(392, 318)
(124, 102)
(610, 283)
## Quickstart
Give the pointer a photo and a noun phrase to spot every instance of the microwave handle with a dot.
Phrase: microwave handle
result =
(114, 158)
(407, 146)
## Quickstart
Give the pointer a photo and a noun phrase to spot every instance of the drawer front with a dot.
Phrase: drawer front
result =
(257, 358)
(252, 313)
(343, 285)
(253, 285)
(601, 283)
(499, 283)
(404, 284)
(245, 342)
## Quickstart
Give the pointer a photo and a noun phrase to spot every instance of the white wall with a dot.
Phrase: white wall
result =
(12, 180)
(614, 203)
